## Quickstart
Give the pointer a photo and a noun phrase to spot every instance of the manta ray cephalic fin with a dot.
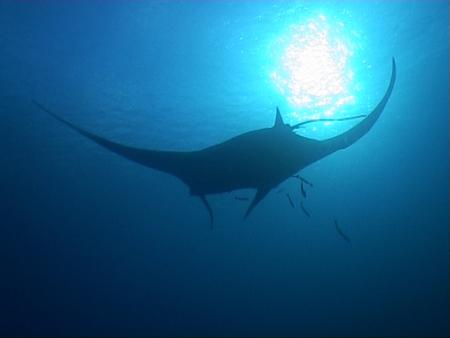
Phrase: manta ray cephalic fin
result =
(278, 119)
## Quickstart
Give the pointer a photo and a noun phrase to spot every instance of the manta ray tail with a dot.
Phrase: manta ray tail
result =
(298, 125)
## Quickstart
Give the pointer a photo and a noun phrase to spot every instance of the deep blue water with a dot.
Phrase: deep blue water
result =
(92, 244)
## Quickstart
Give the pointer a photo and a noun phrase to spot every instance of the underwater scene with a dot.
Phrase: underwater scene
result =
(224, 168)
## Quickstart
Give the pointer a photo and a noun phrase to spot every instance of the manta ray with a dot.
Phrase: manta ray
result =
(259, 159)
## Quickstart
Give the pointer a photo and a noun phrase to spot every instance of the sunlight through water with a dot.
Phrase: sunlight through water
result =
(313, 71)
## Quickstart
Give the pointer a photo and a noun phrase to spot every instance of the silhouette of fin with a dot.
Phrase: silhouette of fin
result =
(278, 119)
(349, 137)
(260, 194)
(167, 161)
(208, 207)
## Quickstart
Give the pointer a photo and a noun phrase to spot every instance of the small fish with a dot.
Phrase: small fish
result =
(290, 200)
(239, 198)
(304, 210)
(338, 229)
(303, 190)
(304, 180)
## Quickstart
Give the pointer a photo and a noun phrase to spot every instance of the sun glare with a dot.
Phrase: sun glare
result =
(313, 71)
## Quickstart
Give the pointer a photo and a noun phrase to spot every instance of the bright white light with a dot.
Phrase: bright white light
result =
(314, 70)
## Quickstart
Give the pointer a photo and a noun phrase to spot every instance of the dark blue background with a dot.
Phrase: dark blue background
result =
(91, 244)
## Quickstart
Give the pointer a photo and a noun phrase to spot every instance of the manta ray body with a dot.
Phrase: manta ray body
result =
(259, 159)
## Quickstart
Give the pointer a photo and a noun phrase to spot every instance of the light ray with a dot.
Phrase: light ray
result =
(314, 70)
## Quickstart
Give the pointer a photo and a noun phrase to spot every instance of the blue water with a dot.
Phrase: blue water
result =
(92, 244)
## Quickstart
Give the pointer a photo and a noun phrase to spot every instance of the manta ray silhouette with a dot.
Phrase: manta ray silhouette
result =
(260, 159)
